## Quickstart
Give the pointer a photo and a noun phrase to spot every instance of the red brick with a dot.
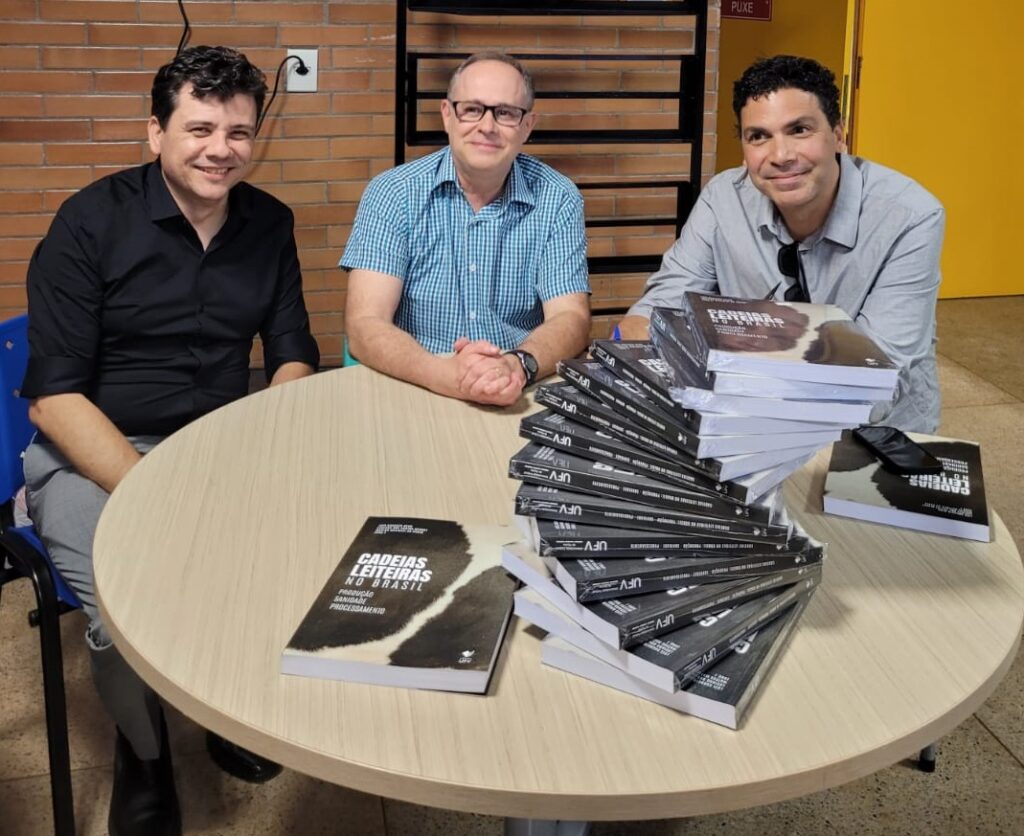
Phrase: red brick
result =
(279, 12)
(361, 58)
(17, 130)
(12, 249)
(346, 192)
(12, 153)
(370, 146)
(16, 106)
(21, 57)
(115, 106)
(42, 81)
(330, 213)
(265, 173)
(325, 35)
(13, 273)
(294, 194)
(156, 12)
(325, 301)
(362, 103)
(75, 10)
(568, 40)
(12, 296)
(113, 34)
(675, 41)
(95, 153)
(323, 171)
(294, 149)
(123, 82)
(52, 200)
(327, 126)
(18, 10)
(44, 33)
(343, 80)
(20, 226)
(119, 129)
(91, 58)
(311, 236)
(353, 13)
(20, 201)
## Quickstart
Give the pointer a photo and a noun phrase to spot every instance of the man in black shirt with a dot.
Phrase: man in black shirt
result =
(144, 299)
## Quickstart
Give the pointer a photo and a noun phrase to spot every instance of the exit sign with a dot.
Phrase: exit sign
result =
(747, 9)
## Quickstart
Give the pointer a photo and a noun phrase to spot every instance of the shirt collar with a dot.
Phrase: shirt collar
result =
(843, 218)
(163, 206)
(517, 189)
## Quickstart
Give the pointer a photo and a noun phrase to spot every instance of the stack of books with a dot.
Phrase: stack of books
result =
(660, 557)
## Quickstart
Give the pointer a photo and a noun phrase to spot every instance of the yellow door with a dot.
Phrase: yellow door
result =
(940, 99)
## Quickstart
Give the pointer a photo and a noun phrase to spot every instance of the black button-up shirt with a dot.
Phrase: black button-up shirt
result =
(126, 308)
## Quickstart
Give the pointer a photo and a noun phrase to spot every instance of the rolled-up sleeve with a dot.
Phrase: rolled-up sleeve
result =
(285, 331)
(380, 234)
(65, 297)
(563, 266)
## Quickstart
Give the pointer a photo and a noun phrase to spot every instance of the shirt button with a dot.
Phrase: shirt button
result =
(472, 314)
(472, 268)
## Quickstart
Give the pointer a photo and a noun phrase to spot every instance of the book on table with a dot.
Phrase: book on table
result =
(672, 336)
(722, 694)
(414, 603)
(675, 658)
(953, 502)
(630, 619)
(794, 340)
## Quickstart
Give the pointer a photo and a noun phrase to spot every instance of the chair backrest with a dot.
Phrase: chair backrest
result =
(15, 429)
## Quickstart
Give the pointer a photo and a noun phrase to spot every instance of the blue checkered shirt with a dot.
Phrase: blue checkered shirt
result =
(480, 275)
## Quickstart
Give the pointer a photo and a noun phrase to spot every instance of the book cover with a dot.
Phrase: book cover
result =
(540, 465)
(673, 659)
(671, 335)
(640, 364)
(797, 340)
(952, 502)
(722, 694)
(413, 603)
(627, 621)
(558, 504)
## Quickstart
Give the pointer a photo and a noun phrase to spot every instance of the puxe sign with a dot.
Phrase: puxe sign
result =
(747, 9)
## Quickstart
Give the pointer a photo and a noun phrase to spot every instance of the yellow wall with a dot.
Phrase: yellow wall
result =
(815, 28)
(940, 100)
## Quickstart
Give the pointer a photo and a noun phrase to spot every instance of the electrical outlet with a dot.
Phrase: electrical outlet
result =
(295, 83)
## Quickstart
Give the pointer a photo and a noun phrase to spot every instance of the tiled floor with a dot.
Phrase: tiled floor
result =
(978, 788)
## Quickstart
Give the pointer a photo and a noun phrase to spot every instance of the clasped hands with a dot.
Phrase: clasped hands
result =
(484, 374)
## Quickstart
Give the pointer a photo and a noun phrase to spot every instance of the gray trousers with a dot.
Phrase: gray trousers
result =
(65, 508)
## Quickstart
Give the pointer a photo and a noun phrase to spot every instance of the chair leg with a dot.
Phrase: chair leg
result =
(926, 759)
(38, 572)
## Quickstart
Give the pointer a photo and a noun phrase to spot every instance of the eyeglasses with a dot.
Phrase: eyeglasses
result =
(508, 116)
(791, 266)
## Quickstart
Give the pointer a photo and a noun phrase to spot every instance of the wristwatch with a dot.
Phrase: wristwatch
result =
(528, 362)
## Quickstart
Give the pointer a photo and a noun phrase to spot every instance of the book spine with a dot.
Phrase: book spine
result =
(803, 588)
(643, 626)
(575, 439)
(621, 367)
(617, 486)
(677, 353)
(614, 584)
(648, 416)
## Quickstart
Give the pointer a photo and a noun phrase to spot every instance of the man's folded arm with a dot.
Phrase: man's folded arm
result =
(377, 342)
(98, 449)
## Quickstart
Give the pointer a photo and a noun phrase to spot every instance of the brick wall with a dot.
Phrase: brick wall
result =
(75, 76)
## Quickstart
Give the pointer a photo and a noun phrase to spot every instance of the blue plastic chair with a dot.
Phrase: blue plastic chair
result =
(23, 556)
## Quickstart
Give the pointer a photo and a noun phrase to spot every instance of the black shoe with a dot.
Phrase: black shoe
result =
(144, 801)
(241, 763)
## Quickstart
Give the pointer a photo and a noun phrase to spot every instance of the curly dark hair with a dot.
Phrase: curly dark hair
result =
(767, 75)
(217, 71)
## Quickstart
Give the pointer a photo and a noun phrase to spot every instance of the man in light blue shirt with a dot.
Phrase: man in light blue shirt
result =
(804, 220)
(468, 271)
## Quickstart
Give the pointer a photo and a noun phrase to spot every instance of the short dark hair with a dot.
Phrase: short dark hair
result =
(768, 75)
(217, 71)
(501, 58)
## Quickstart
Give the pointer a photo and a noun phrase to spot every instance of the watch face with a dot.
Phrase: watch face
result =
(530, 362)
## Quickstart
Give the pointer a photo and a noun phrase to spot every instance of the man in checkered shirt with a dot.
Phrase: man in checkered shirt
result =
(468, 271)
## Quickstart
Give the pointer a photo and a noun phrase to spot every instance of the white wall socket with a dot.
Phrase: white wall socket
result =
(295, 83)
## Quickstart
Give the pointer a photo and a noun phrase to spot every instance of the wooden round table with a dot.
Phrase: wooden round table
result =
(213, 548)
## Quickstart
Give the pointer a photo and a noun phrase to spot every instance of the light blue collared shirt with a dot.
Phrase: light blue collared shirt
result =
(876, 257)
(482, 275)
